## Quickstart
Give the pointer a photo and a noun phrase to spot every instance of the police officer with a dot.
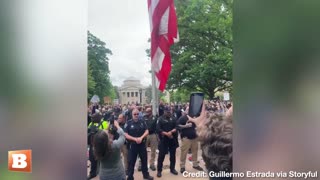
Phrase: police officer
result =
(136, 132)
(152, 138)
(166, 128)
(97, 121)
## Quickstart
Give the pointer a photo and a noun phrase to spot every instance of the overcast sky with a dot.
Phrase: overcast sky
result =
(124, 26)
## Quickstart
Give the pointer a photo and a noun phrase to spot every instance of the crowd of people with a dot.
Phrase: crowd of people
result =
(119, 135)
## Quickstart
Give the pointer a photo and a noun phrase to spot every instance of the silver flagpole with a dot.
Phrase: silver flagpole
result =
(154, 94)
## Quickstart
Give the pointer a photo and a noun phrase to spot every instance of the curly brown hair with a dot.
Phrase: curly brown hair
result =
(101, 145)
(215, 137)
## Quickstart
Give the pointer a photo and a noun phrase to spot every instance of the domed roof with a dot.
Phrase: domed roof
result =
(131, 82)
(131, 78)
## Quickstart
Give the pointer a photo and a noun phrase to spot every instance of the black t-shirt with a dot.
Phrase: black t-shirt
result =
(189, 133)
(151, 123)
(161, 110)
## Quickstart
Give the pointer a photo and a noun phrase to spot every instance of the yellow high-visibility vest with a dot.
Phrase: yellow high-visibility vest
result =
(104, 124)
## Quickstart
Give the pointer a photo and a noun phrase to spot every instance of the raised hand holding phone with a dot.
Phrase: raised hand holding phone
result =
(195, 104)
(198, 120)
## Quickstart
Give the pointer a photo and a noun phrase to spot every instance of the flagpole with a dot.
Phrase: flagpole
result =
(154, 96)
(159, 21)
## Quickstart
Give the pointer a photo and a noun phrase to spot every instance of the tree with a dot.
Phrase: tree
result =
(180, 96)
(161, 95)
(116, 91)
(91, 83)
(98, 71)
(202, 59)
(149, 94)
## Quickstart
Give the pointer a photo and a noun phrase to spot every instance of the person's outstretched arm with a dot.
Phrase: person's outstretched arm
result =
(116, 144)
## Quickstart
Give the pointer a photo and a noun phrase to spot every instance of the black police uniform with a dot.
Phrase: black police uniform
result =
(137, 129)
(165, 143)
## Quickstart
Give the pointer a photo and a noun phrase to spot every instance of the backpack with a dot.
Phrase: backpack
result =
(92, 130)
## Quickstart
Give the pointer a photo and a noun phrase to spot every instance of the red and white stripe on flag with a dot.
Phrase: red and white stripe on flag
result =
(164, 32)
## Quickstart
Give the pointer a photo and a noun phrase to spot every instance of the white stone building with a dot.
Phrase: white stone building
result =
(131, 91)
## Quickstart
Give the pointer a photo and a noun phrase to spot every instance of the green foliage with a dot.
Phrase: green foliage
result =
(98, 68)
(180, 96)
(163, 99)
(113, 94)
(91, 83)
(161, 95)
(116, 92)
(202, 59)
(149, 94)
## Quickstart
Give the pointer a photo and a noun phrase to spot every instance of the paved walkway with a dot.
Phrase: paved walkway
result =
(166, 171)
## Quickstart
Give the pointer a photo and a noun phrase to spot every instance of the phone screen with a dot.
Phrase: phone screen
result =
(195, 105)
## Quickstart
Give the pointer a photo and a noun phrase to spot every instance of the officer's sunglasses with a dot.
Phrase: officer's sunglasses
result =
(136, 114)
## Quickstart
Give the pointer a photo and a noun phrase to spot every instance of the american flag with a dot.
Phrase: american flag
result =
(164, 32)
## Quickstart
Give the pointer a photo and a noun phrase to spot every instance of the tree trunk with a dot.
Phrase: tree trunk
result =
(211, 96)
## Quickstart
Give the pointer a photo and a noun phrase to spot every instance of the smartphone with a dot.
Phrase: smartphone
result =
(195, 104)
